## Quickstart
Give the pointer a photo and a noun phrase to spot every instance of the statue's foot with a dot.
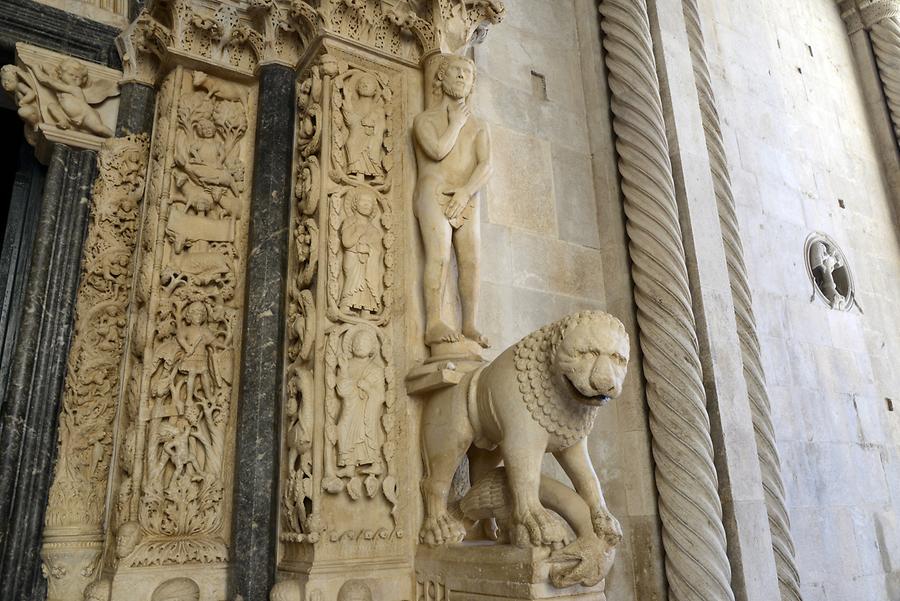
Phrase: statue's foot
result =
(606, 526)
(441, 529)
(475, 336)
(537, 527)
(441, 332)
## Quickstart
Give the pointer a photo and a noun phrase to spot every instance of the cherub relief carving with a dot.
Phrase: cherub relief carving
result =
(362, 238)
(76, 93)
(453, 152)
(541, 395)
(22, 86)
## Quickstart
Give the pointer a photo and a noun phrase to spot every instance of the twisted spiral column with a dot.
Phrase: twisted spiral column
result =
(760, 407)
(885, 36)
(697, 566)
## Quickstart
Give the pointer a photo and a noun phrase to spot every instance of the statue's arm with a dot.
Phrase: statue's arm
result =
(485, 166)
(436, 146)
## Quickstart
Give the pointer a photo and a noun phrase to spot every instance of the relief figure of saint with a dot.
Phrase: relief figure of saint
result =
(361, 386)
(366, 122)
(453, 152)
(362, 239)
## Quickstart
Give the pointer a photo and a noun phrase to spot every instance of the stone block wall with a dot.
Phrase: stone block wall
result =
(803, 158)
(553, 237)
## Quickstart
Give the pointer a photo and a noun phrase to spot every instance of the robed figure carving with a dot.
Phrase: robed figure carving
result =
(453, 151)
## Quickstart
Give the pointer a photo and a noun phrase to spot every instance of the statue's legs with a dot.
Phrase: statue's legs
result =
(467, 241)
(437, 236)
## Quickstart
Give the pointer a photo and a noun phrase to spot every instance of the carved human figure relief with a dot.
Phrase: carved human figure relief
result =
(355, 408)
(76, 95)
(62, 99)
(829, 272)
(362, 238)
(362, 141)
(453, 152)
(541, 395)
(174, 460)
(366, 122)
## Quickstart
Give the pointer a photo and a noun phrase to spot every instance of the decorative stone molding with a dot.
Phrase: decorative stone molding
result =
(829, 272)
(74, 518)
(751, 355)
(697, 566)
(111, 12)
(62, 99)
(242, 37)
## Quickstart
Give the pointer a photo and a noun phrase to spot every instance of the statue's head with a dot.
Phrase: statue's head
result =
(354, 590)
(9, 79)
(72, 72)
(366, 86)
(127, 538)
(196, 313)
(177, 589)
(364, 343)
(97, 591)
(362, 201)
(592, 355)
(456, 76)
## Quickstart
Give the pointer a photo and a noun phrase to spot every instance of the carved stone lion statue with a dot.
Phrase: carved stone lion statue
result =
(540, 395)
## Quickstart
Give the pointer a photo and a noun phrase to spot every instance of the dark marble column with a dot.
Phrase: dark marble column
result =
(28, 418)
(137, 107)
(254, 542)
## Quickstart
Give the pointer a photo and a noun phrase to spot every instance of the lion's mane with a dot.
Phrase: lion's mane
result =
(557, 411)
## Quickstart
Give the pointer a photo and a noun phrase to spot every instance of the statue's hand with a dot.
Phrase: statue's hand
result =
(459, 113)
(606, 526)
(458, 203)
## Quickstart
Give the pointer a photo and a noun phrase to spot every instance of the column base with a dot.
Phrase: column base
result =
(491, 572)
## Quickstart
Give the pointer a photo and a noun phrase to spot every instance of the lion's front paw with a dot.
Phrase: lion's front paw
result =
(538, 527)
(441, 529)
(606, 526)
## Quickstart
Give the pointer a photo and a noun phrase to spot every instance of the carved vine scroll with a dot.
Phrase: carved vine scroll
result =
(78, 492)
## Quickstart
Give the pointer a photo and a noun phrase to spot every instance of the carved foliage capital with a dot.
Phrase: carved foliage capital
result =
(62, 99)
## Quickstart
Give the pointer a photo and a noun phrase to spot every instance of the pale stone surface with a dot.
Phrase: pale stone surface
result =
(798, 137)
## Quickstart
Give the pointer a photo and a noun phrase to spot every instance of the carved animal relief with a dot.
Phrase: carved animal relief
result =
(187, 336)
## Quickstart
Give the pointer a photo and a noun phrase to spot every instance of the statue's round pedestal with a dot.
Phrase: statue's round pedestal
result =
(488, 571)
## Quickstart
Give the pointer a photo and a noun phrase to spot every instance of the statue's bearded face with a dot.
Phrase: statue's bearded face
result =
(459, 76)
(593, 358)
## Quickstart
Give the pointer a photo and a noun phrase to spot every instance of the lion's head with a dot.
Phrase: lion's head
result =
(592, 356)
(569, 368)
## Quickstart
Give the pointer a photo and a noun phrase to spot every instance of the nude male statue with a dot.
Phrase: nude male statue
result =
(453, 151)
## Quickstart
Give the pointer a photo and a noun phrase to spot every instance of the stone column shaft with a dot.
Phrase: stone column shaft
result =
(751, 359)
(697, 566)
(258, 445)
(28, 420)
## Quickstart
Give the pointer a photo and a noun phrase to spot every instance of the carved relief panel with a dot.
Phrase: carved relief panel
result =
(62, 99)
(177, 432)
(75, 512)
(344, 490)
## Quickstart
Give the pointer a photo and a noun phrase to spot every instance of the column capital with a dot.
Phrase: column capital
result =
(863, 14)
(62, 99)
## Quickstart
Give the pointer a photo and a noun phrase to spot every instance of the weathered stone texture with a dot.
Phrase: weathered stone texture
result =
(799, 143)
